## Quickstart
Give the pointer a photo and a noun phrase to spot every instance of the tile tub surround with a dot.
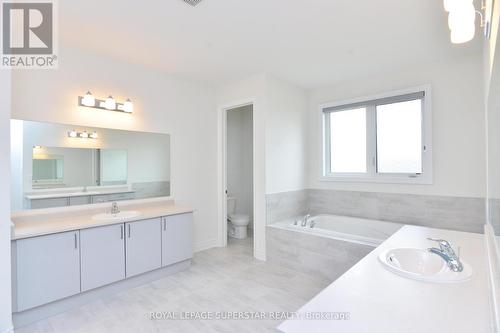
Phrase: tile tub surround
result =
(312, 254)
(285, 205)
(455, 213)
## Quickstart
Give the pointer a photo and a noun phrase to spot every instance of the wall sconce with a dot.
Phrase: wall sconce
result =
(83, 135)
(461, 19)
(109, 103)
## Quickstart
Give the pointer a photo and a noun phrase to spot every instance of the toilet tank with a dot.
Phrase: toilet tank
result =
(231, 205)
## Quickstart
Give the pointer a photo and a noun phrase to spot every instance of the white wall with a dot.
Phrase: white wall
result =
(162, 103)
(240, 158)
(458, 126)
(279, 113)
(5, 289)
(251, 90)
(286, 119)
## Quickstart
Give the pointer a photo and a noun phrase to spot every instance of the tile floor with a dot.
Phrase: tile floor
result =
(220, 279)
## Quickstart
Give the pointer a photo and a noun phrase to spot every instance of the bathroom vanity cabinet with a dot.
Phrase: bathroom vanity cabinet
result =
(46, 268)
(176, 237)
(52, 267)
(102, 255)
(143, 246)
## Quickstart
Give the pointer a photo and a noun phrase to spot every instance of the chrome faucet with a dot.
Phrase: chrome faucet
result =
(446, 252)
(305, 220)
(114, 208)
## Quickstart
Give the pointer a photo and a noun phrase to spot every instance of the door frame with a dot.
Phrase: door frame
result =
(222, 196)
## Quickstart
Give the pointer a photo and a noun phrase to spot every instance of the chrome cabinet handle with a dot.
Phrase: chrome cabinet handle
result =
(129, 231)
(164, 224)
(76, 242)
(121, 231)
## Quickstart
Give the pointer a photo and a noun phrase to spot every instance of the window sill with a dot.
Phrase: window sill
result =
(381, 180)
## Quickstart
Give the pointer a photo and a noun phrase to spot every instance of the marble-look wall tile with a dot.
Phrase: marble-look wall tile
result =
(151, 189)
(315, 255)
(281, 206)
(456, 213)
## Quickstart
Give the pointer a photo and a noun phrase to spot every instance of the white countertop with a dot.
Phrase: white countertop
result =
(75, 194)
(53, 220)
(379, 301)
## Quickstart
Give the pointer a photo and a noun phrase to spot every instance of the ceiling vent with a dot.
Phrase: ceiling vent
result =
(192, 2)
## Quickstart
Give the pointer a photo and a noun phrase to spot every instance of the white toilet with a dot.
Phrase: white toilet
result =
(237, 224)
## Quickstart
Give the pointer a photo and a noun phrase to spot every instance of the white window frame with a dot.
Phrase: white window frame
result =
(426, 177)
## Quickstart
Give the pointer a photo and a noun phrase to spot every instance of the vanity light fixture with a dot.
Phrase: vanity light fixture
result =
(108, 104)
(461, 19)
(83, 135)
(88, 99)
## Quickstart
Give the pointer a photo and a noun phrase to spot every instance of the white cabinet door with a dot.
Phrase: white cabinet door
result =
(143, 246)
(102, 255)
(47, 268)
(177, 238)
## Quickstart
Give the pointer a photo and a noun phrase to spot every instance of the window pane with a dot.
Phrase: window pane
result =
(348, 141)
(399, 137)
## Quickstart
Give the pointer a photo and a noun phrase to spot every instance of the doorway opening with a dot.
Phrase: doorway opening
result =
(239, 178)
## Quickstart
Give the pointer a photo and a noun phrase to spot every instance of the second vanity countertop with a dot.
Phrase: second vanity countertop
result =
(53, 220)
(76, 194)
(379, 301)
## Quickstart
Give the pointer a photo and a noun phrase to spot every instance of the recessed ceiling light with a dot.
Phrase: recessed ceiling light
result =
(192, 2)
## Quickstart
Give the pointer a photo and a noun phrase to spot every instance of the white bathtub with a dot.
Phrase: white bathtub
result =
(345, 228)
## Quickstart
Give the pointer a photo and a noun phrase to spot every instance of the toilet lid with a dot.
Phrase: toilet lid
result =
(239, 217)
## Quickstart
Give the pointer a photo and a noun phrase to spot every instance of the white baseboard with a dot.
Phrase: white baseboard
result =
(205, 245)
(260, 255)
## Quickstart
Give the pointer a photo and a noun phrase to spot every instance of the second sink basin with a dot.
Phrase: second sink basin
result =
(419, 264)
(126, 214)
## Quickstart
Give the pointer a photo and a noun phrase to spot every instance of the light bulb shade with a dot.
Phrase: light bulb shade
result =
(462, 16)
(451, 5)
(110, 103)
(463, 34)
(94, 135)
(84, 135)
(88, 99)
(72, 134)
(128, 106)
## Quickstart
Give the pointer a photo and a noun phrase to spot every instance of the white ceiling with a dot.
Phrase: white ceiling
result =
(307, 42)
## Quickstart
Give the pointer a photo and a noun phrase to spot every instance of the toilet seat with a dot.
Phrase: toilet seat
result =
(239, 219)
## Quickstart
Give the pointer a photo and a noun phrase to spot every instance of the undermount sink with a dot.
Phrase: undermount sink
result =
(422, 265)
(126, 214)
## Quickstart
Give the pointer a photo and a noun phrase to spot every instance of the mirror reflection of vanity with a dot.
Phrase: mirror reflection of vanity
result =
(56, 165)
